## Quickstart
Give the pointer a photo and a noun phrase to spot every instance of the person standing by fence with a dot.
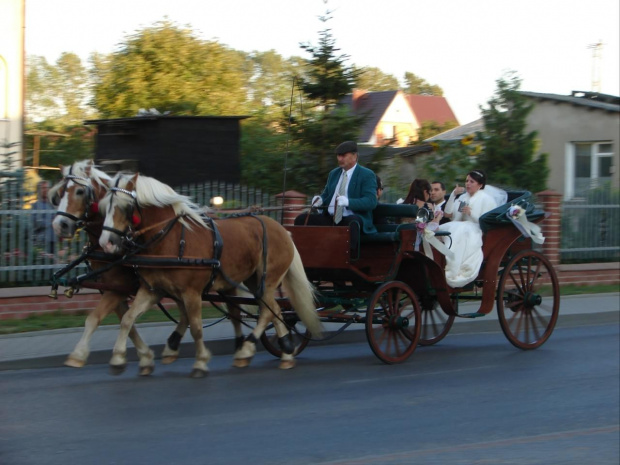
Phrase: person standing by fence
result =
(43, 216)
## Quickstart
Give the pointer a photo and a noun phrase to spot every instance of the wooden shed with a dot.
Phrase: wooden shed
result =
(176, 150)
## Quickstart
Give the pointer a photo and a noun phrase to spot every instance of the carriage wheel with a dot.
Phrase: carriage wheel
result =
(393, 322)
(436, 323)
(528, 300)
(298, 334)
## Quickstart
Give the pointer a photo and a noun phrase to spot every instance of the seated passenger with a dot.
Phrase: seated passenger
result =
(419, 194)
(438, 198)
(380, 219)
(465, 232)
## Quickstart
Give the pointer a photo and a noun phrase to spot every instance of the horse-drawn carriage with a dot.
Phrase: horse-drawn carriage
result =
(397, 291)
(401, 294)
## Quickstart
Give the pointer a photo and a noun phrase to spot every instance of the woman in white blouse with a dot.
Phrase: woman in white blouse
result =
(464, 228)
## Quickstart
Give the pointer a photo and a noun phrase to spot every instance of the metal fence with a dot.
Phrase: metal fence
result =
(591, 228)
(26, 260)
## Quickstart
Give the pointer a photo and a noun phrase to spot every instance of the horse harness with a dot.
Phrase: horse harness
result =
(136, 261)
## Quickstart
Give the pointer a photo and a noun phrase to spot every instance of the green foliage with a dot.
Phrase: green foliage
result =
(263, 157)
(328, 79)
(450, 161)
(509, 151)
(374, 80)
(54, 150)
(313, 142)
(168, 68)
(417, 86)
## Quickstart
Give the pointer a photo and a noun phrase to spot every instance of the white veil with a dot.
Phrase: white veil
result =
(499, 195)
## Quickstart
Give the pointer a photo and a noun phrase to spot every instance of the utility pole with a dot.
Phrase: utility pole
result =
(597, 62)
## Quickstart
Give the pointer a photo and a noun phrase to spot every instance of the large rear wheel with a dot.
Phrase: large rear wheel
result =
(528, 300)
(393, 322)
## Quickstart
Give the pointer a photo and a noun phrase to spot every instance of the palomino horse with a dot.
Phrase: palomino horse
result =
(76, 198)
(192, 254)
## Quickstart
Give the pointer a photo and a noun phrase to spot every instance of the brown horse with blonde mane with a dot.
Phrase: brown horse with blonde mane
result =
(75, 198)
(182, 254)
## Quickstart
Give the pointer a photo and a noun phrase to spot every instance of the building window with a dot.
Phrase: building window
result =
(593, 166)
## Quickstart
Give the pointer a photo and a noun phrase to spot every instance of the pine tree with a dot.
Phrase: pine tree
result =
(509, 150)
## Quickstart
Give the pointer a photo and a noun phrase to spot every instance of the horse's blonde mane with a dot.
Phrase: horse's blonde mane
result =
(151, 192)
(80, 169)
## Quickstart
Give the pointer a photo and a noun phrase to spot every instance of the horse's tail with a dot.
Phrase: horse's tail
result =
(302, 295)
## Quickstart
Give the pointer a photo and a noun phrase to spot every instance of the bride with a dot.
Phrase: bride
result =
(465, 212)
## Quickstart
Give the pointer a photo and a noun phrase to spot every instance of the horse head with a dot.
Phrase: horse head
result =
(76, 196)
(121, 210)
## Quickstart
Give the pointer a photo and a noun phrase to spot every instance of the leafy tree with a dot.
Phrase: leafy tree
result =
(41, 90)
(509, 150)
(168, 68)
(57, 92)
(415, 85)
(374, 80)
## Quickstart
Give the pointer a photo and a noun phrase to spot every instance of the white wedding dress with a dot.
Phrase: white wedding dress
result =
(466, 235)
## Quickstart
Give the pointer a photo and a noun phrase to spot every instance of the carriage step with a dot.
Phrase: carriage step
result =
(470, 315)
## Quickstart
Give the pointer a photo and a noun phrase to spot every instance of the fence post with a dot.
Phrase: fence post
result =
(551, 202)
(290, 199)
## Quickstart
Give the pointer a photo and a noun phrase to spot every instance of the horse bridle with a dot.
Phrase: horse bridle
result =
(89, 199)
(128, 230)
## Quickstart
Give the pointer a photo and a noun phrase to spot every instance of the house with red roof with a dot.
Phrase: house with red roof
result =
(393, 117)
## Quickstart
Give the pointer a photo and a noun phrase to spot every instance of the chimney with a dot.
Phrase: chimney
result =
(357, 96)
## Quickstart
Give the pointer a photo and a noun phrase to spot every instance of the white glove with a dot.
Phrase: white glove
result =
(342, 201)
(317, 201)
(450, 203)
(399, 201)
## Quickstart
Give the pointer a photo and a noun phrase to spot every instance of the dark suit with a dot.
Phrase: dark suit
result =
(443, 209)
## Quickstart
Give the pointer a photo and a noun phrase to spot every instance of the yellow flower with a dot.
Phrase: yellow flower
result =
(467, 139)
(476, 151)
(435, 145)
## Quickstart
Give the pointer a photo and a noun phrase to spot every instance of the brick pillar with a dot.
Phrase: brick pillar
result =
(289, 200)
(552, 226)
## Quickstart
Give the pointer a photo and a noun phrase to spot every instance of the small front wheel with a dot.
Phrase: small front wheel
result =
(528, 300)
(393, 322)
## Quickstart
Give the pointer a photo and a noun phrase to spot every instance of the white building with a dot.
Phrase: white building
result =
(12, 59)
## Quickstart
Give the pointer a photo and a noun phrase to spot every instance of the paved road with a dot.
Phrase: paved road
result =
(44, 349)
(472, 399)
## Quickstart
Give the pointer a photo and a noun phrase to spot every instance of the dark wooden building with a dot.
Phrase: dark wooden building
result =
(176, 150)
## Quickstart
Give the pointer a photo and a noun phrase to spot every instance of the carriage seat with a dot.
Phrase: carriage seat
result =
(390, 232)
(497, 217)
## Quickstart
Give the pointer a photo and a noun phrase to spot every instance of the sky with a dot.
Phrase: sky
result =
(462, 46)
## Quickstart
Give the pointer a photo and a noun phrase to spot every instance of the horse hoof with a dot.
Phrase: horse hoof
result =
(146, 371)
(287, 364)
(197, 373)
(74, 362)
(241, 362)
(117, 369)
(168, 359)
